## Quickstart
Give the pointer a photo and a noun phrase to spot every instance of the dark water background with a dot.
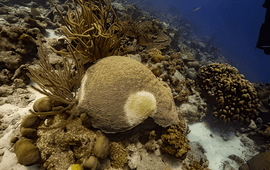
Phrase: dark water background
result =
(234, 26)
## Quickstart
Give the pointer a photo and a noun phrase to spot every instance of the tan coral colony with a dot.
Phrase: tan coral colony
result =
(119, 93)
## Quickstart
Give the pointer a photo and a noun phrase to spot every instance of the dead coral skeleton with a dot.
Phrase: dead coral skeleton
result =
(94, 29)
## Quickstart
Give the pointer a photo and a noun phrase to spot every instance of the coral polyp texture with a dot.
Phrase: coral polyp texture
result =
(174, 141)
(235, 96)
(119, 93)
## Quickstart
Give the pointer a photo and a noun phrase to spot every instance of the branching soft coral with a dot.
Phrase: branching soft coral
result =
(59, 84)
(93, 28)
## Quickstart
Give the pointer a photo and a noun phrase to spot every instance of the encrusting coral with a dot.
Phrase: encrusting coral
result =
(93, 28)
(175, 141)
(59, 148)
(118, 155)
(235, 96)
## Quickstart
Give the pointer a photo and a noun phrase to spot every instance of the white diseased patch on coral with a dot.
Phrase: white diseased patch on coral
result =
(139, 106)
(81, 92)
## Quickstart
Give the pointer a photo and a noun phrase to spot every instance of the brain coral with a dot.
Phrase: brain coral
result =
(235, 96)
(119, 93)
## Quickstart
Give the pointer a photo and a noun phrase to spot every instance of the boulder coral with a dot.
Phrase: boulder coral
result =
(27, 153)
(235, 96)
(119, 93)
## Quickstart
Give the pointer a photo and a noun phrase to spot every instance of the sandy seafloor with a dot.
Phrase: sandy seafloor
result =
(218, 141)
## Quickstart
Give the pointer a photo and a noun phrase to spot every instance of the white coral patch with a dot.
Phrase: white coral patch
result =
(81, 92)
(139, 106)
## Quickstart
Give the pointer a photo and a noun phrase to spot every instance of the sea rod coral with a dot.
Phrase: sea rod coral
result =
(59, 83)
(93, 28)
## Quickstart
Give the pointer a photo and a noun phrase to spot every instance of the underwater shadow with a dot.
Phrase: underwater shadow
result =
(227, 130)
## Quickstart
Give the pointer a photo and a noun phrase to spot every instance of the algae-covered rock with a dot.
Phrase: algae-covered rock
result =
(27, 153)
(259, 162)
(102, 147)
(119, 93)
(43, 104)
(92, 163)
(29, 121)
(28, 132)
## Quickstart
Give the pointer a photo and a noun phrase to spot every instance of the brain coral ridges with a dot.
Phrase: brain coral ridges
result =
(235, 97)
(130, 94)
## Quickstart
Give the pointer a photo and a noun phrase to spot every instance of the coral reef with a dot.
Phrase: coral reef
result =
(263, 94)
(150, 34)
(91, 163)
(15, 95)
(43, 104)
(57, 83)
(235, 96)
(139, 158)
(75, 167)
(265, 132)
(172, 70)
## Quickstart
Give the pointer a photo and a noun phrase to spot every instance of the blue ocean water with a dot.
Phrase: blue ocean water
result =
(235, 25)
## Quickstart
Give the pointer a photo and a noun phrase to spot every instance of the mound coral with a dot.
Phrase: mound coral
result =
(235, 96)
(119, 93)
(94, 29)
